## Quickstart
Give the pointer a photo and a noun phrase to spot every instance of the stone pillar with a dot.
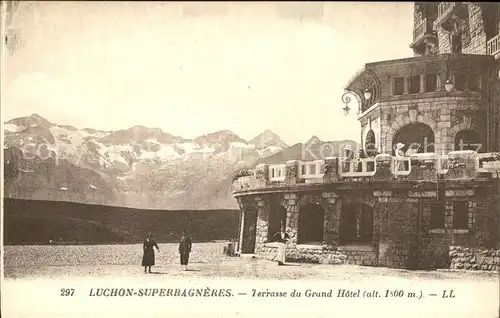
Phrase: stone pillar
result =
(292, 218)
(383, 168)
(292, 172)
(438, 82)
(262, 222)
(423, 167)
(331, 170)
(332, 220)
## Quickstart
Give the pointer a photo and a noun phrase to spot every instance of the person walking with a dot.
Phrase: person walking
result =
(185, 249)
(148, 258)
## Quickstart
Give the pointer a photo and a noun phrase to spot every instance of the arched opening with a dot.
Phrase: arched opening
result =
(370, 147)
(249, 230)
(277, 220)
(418, 136)
(311, 224)
(468, 140)
(356, 224)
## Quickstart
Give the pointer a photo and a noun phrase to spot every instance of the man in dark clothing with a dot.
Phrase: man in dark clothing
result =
(185, 249)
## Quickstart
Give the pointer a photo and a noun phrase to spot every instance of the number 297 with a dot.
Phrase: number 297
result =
(67, 291)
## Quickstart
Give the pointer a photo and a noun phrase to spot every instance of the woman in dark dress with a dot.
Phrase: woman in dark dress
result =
(185, 249)
(148, 258)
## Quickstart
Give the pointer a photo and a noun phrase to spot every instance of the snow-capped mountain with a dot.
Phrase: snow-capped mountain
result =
(138, 167)
(141, 167)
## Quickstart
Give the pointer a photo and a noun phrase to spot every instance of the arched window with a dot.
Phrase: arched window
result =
(468, 140)
(418, 134)
(311, 224)
(370, 146)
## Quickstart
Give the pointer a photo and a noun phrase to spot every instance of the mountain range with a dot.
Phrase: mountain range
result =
(139, 167)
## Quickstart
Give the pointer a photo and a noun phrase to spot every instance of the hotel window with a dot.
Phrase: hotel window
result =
(430, 82)
(414, 84)
(460, 81)
(461, 215)
(399, 85)
(437, 216)
(473, 83)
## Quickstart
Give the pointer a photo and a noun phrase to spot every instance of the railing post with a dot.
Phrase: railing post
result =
(424, 167)
(331, 173)
(262, 174)
(292, 172)
(383, 167)
(461, 165)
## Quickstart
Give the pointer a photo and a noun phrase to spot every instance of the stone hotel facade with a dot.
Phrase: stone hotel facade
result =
(435, 208)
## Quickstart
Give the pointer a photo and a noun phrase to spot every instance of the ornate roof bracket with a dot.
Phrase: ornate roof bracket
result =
(366, 87)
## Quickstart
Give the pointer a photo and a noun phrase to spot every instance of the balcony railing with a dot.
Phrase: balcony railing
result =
(493, 45)
(444, 8)
(401, 166)
(277, 172)
(457, 165)
(423, 28)
(312, 171)
(357, 168)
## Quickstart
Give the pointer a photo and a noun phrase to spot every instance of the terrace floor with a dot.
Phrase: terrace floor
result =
(32, 286)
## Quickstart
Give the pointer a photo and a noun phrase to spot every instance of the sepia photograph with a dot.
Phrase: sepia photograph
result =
(235, 159)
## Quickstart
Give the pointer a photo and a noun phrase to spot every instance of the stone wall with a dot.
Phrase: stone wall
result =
(402, 237)
(435, 113)
(320, 256)
(473, 34)
(474, 258)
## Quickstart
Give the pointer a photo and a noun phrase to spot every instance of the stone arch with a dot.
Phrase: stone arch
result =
(402, 120)
(469, 139)
(356, 223)
(464, 126)
(415, 133)
(277, 219)
(311, 225)
(312, 198)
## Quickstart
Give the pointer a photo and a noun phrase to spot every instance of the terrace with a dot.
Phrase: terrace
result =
(457, 165)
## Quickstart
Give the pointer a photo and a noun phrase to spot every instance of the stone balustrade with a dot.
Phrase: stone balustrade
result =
(456, 165)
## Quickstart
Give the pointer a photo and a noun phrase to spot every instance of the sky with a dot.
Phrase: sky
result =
(196, 68)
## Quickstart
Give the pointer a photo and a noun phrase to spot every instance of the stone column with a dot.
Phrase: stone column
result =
(332, 220)
(292, 218)
(422, 83)
(262, 223)
(406, 86)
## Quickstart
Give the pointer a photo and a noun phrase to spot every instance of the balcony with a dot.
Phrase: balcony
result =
(449, 12)
(493, 46)
(423, 34)
(458, 166)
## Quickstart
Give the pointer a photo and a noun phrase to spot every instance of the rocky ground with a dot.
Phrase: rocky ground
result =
(34, 283)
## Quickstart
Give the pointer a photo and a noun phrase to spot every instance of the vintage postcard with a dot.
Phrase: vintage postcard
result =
(243, 159)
